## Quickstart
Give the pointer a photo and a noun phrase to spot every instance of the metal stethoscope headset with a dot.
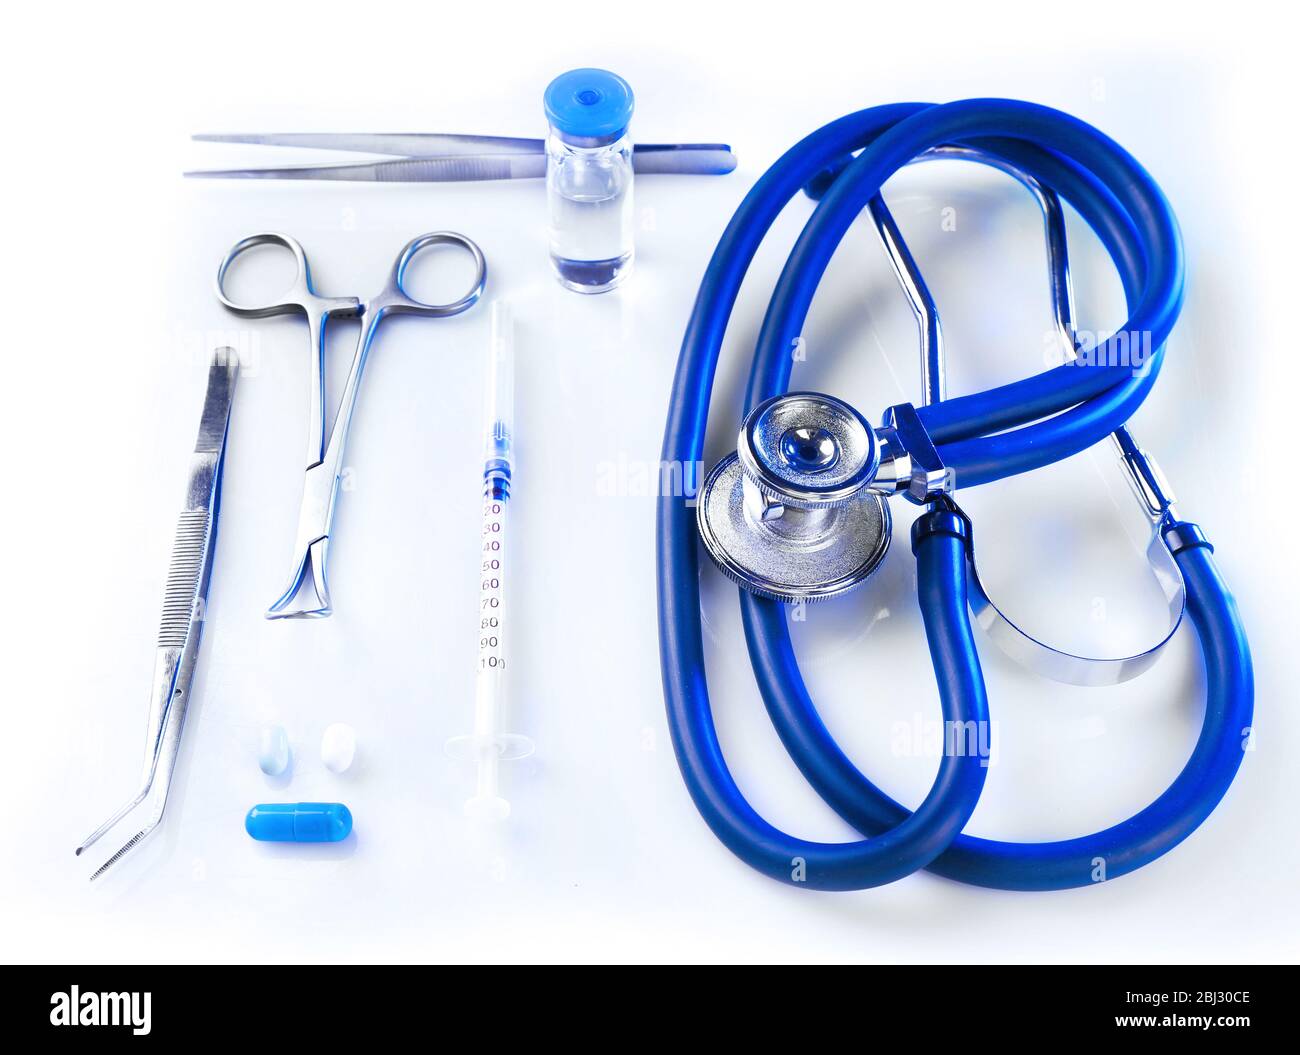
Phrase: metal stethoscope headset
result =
(799, 512)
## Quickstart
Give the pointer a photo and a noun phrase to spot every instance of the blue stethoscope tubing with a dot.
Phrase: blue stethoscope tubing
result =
(984, 437)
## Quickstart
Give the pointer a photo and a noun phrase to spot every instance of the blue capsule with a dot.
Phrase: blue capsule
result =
(299, 822)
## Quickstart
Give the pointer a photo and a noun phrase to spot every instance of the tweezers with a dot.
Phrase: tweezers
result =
(430, 157)
(184, 603)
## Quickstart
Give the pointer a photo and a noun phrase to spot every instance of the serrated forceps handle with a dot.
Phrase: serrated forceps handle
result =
(183, 608)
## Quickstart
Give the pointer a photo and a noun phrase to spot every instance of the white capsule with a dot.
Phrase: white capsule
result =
(338, 747)
(273, 750)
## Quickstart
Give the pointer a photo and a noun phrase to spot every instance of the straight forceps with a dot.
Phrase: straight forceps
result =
(426, 157)
(184, 603)
(325, 463)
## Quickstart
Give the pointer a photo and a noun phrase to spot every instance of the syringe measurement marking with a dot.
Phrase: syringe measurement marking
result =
(490, 650)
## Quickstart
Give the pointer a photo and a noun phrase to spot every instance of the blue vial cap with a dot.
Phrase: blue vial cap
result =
(589, 107)
(299, 822)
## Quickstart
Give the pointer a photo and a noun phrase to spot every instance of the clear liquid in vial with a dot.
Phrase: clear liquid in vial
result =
(591, 234)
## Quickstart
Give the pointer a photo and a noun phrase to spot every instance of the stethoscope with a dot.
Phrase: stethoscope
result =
(800, 512)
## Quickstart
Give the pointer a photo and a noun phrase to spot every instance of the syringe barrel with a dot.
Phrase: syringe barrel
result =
(499, 410)
(489, 701)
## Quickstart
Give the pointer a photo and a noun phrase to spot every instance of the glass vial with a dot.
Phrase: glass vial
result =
(589, 179)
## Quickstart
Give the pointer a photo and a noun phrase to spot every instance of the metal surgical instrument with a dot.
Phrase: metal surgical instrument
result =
(325, 463)
(183, 612)
(429, 157)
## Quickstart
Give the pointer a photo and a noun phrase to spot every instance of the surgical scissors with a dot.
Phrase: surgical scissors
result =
(325, 463)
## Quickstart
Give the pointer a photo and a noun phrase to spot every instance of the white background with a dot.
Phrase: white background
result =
(107, 272)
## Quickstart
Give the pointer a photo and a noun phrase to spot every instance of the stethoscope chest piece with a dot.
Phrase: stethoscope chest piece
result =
(790, 515)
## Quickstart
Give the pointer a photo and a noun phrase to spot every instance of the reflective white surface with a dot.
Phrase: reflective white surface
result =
(604, 855)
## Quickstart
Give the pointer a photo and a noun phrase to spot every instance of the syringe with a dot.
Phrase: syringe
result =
(488, 745)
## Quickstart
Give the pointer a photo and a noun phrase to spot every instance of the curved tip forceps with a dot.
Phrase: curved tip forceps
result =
(184, 604)
(325, 463)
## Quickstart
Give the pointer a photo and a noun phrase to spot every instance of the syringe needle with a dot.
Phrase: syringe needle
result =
(499, 404)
